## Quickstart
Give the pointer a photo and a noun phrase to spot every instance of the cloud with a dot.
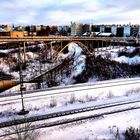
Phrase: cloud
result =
(61, 12)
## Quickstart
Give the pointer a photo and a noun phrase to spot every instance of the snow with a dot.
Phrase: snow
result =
(34, 68)
(4, 51)
(102, 128)
(104, 52)
(104, 34)
(78, 64)
(99, 96)
(124, 59)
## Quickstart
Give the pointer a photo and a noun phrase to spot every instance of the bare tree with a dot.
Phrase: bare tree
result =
(24, 131)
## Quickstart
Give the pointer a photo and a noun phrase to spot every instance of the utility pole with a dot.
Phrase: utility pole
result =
(24, 53)
(23, 111)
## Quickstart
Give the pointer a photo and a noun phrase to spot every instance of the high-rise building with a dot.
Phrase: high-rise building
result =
(134, 30)
(86, 28)
(120, 31)
(127, 30)
(102, 28)
(114, 30)
(76, 29)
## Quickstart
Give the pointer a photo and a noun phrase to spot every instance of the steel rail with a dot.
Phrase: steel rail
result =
(65, 113)
(57, 91)
(72, 86)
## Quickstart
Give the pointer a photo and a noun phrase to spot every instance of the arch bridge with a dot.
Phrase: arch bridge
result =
(88, 44)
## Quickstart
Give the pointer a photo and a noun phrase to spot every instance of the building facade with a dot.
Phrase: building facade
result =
(76, 29)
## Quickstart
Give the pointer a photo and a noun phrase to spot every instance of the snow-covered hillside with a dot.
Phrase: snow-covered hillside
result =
(108, 63)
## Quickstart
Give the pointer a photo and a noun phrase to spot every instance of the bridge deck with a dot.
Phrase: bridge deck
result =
(63, 38)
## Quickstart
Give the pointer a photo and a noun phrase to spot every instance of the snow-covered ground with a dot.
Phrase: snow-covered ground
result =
(91, 129)
(34, 68)
(98, 129)
(112, 53)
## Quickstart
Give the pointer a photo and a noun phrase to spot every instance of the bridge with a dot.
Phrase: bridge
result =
(88, 44)
(63, 38)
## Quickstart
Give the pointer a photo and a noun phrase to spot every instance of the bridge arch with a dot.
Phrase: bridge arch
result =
(76, 42)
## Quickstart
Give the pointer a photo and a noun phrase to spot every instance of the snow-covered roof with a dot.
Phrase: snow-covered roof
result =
(2, 30)
(86, 33)
(95, 33)
(104, 34)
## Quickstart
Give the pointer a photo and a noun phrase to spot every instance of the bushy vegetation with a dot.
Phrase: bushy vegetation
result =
(129, 54)
(132, 133)
(33, 49)
(3, 55)
(106, 69)
(4, 76)
(53, 103)
(16, 68)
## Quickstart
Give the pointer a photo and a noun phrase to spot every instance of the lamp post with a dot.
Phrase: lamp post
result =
(23, 111)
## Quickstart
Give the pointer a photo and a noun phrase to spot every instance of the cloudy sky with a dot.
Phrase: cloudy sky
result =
(62, 12)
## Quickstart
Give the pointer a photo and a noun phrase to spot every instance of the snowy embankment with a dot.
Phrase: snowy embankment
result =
(79, 59)
(114, 51)
(103, 128)
(94, 129)
(34, 68)
(108, 72)
(77, 99)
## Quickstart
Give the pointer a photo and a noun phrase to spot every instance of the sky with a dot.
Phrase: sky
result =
(62, 12)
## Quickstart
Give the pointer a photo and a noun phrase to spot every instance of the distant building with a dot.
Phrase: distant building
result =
(127, 30)
(134, 31)
(11, 33)
(96, 28)
(7, 28)
(32, 28)
(73, 28)
(76, 29)
(16, 34)
(91, 27)
(38, 28)
(120, 31)
(114, 30)
(107, 29)
(86, 28)
(19, 28)
(102, 28)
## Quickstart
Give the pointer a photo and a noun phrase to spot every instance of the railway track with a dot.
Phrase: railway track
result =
(69, 112)
(66, 90)
(94, 112)
(74, 86)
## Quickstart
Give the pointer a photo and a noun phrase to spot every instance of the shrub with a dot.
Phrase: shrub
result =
(72, 99)
(132, 133)
(132, 91)
(89, 98)
(53, 102)
(110, 94)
